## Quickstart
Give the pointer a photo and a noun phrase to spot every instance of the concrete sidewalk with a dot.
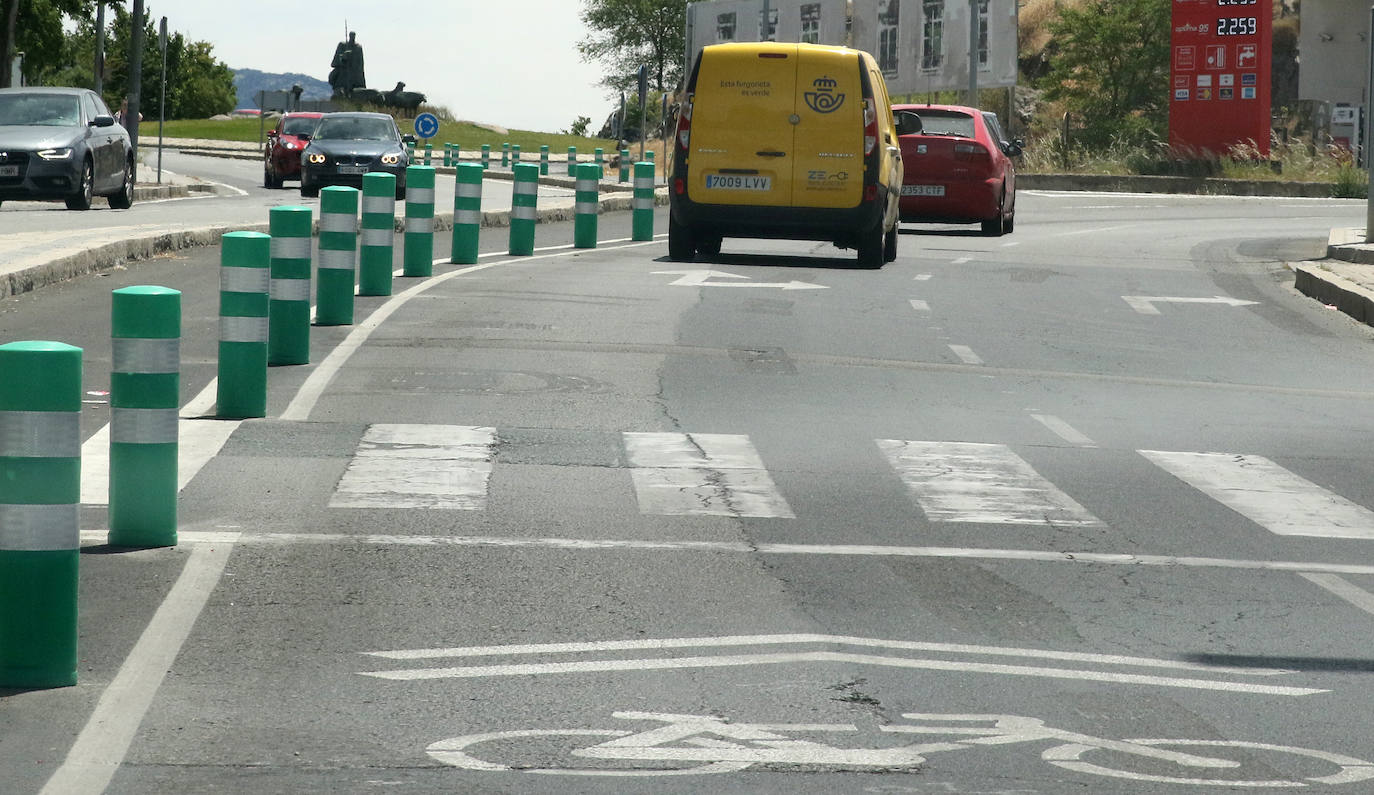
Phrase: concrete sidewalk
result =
(1345, 279)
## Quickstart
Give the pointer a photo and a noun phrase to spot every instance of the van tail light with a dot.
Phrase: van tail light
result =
(679, 186)
(870, 127)
(684, 123)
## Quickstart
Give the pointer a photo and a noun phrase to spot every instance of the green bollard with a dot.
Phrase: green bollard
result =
(40, 536)
(524, 201)
(244, 280)
(624, 165)
(543, 161)
(429, 153)
(588, 205)
(642, 224)
(514, 155)
(418, 253)
(379, 226)
(448, 154)
(145, 391)
(467, 214)
(505, 155)
(600, 155)
(288, 310)
(486, 157)
(338, 256)
(649, 156)
(572, 161)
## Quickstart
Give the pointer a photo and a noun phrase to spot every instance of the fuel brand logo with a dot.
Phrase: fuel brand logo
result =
(824, 99)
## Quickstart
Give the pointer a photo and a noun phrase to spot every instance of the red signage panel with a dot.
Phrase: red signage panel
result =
(1220, 75)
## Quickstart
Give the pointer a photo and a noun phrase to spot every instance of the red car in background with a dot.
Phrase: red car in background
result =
(282, 155)
(958, 167)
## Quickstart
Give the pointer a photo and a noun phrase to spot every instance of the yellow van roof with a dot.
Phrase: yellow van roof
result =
(776, 46)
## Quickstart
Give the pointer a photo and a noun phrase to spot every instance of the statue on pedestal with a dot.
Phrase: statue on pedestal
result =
(347, 72)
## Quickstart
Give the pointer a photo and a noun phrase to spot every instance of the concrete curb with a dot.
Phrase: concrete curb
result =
(117, 253)
(1315, 280)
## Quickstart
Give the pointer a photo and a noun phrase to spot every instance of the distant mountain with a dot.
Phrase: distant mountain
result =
(248, 82)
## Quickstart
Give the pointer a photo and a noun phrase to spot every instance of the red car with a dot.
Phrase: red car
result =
(958, 167)
(282, 156)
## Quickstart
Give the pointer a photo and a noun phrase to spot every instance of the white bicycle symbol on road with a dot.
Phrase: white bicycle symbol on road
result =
(710, 744)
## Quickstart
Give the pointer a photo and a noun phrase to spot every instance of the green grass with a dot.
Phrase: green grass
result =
(468, 136)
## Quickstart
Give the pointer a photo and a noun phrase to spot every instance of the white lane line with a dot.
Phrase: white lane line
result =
(962, 261)
(100, 747)
(663, 644)
(1348, 591)
(95, 537)
(702, 474)
(659, 664)
(418, 466)
(966, 354)
(310, 392)
(925, 277)
(1011, 244)
(1267, 494)
(980, 483)
(919, 305)
(1094, 231)
(1063, 430)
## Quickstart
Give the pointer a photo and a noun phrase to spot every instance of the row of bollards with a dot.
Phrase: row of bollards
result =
(264, 320)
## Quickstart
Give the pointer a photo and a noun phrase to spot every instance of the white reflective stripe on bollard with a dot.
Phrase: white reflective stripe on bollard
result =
(419, 195)
(290, 248)
(526, 188)
(39, 528)
(145, 355)
(586, 208)
(243, 329)
(472, 217)
(586, 185)
(522, 213)
(40, 434)
(331, 259)
(143, 426)
(469, 190)
(338, 222)
(419, 226)
(380, 205)
(377, 237)
(290, 290)
(644, 204)
(244, 280)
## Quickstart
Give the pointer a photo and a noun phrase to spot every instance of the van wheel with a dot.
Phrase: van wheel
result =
(709, 245)
(681, 247)
(890, 245)
(871, 248)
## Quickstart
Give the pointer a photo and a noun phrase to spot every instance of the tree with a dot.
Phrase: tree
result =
(34, 27)
(628, 33)
(1112, 68)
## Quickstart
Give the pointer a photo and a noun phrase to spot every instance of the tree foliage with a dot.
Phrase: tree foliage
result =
(627, 33)
(34, 27)
(1112, 68)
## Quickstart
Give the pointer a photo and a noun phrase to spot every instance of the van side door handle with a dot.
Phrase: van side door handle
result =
(771, 154)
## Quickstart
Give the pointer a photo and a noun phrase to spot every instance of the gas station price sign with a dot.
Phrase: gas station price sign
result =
(1220, 75)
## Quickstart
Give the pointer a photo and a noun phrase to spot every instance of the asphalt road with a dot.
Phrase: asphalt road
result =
(1086, 508)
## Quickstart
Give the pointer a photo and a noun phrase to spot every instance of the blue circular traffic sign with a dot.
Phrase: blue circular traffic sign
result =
(426, 125)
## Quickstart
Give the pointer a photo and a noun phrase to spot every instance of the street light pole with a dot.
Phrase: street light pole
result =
(1369, 132)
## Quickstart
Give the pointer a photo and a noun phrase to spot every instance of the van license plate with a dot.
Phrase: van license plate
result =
(733, 182)
(923, 190)
(9, 171)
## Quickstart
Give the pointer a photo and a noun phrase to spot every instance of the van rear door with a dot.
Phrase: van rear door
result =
(828, 166)
(742, 134)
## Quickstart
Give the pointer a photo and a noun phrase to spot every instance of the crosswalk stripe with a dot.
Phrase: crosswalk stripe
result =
(702, 474)
(418, 466)
(1267, 494)
(981, 484)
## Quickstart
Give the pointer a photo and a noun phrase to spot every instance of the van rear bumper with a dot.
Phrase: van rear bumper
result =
(844, 226)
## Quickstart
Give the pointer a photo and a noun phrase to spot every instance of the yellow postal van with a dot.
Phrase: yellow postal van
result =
(779, 140)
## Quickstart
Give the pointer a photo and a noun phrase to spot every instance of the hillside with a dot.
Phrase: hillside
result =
(248, 82)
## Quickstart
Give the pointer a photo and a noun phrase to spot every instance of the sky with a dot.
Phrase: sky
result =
(513, 63)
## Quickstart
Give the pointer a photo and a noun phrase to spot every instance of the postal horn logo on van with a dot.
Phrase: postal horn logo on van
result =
(824, 99)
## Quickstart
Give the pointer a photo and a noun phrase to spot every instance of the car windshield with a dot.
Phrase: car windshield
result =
(355, 129)
(945, 122)
(40, 110)
(301, 126)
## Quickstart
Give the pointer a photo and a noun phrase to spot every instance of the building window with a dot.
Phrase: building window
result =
(811, 23)
(888, 14)
(933, 34)
(725, 27)
(768, 29)
(982, 34)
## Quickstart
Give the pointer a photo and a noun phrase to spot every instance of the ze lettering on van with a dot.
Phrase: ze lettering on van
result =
(820, 179)
(824, 99)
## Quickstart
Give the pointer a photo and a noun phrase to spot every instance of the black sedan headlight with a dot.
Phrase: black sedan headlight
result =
(316, 158)
(391, 159)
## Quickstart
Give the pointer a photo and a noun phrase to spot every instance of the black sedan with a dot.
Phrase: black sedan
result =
(346, 146)
(63, 143)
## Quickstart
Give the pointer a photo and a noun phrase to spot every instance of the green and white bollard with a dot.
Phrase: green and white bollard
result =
(543, 161)
(624, 165)
(642, 222)
(572, 161)
(649, 156)
(411, 152)
(418, 253)
(524, 201)
(244, 280)
(336, 272)
(600, 157)
(145, 391)
(588, 205)
(514, 155)
(379, 227)
(40, 536)
(288, 312)
(467, 214)
(448, 154)
(486, 157)
(505, 155)
(429, 153)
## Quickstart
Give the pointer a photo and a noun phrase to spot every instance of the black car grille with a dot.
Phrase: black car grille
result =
(354, 160)
(20, 159)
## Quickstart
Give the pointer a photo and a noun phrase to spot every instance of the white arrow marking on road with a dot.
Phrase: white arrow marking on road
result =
(702, 279)
(1145, 304)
